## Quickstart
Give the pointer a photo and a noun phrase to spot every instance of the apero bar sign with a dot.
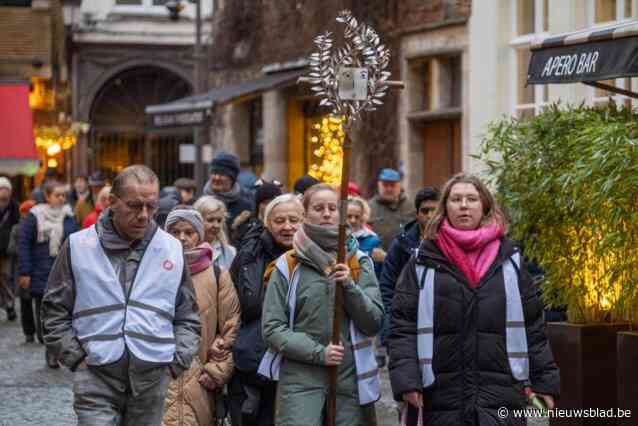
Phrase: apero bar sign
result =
(568, 65)
(590, 61)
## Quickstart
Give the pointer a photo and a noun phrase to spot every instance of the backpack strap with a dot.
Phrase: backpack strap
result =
(290, 259)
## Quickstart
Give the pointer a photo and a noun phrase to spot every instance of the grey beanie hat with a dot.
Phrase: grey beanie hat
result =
(189, 215)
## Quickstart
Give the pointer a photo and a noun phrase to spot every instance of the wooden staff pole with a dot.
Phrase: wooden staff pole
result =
(337, 319)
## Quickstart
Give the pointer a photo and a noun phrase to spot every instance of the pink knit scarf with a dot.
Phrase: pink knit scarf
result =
(473, 251)
(199, 258)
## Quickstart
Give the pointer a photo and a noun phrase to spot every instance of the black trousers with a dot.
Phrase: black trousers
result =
(31, 322)
(241, 389)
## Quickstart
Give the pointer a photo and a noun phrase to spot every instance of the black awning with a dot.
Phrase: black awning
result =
(586, 56)
(194, 110)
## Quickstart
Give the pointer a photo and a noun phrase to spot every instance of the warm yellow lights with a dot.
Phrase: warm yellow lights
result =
(41, 97)
(326, 145)
(55, 139)
(52, 163)
(54, 149)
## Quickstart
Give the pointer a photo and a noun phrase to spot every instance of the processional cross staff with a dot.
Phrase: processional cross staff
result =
(351, 80)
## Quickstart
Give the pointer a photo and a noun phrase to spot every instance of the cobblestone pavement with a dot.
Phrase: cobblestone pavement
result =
(32, 394)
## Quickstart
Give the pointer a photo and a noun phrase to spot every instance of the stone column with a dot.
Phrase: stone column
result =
(274, 110)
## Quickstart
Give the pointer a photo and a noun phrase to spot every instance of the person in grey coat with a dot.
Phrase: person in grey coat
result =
(120, 309)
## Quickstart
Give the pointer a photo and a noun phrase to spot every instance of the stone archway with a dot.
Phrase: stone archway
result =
(118, 135)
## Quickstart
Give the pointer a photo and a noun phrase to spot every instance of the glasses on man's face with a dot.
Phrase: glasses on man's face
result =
(137, 207)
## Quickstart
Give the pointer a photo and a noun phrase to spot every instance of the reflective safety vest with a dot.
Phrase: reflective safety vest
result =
(515, 338)
(366, 366)
(105, 320)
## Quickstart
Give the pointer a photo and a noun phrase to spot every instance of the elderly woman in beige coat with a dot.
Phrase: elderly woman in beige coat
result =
(191, 397)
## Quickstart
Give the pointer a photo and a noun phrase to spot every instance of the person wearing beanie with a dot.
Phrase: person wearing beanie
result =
(303, 183)
(247, 222)
(191, 397)
(223, 185)
(9, 216)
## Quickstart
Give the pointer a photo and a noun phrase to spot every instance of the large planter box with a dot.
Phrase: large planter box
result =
(628, 376)
(586, 355)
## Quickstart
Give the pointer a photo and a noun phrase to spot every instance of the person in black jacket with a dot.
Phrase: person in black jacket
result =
(9, 216)
(251, 396)
(467, 335)
(223, 185)
(403, 247)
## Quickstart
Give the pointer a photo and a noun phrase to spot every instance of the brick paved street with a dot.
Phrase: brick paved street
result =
(31, 393)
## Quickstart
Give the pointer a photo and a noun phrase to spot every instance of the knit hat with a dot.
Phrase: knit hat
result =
(225, 164)
(5, 183)
(353, 189)
(26, 206)
(266, 191)
(303, 183)
(188, 214)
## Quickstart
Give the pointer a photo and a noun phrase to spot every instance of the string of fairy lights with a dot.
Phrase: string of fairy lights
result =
(325, 141)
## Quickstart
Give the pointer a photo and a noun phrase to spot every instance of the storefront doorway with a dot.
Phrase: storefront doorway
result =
(118, 136)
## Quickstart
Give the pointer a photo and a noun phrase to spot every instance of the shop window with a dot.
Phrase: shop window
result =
(527, 12)
(530, 19)
(426, 75)
(439, 80)
(450, 81)
(529, 98)
(525, 17)
(611, 10)
(605, 10)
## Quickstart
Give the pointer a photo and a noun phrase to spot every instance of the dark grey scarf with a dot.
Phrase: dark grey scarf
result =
(227, 197)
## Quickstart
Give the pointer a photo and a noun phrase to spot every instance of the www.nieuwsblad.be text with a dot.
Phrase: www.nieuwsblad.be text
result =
(564, 413)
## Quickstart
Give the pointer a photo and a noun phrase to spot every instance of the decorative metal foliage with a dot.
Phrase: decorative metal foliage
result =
(362, 49)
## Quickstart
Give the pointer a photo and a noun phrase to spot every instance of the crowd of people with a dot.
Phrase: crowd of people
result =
(179, 306)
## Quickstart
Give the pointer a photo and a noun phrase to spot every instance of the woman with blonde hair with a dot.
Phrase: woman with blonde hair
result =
(214, 213)
(297, 321)
(369, 241)
(467, 333)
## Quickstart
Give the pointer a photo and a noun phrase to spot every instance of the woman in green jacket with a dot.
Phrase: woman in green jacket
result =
(299, 327)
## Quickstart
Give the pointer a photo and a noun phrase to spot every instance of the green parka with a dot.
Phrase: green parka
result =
(303, 378)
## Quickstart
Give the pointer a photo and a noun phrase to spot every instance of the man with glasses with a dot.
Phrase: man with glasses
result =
(120, 308)
(403, 246)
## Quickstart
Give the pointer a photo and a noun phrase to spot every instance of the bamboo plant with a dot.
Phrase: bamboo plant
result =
(568, 178)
